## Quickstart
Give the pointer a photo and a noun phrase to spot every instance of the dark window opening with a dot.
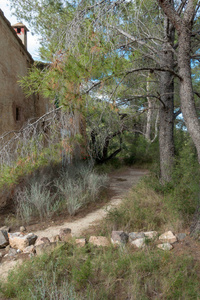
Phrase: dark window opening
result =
(17, 114)
(18, 30)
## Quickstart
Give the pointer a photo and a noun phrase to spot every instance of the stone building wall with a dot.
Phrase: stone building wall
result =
(15, 108)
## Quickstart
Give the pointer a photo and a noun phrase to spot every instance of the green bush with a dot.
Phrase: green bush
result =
(139, 151)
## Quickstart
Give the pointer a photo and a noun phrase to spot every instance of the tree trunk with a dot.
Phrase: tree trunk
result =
(184, 26)
(186, 90)
(166, 128)
(149, 111)
(188, 104)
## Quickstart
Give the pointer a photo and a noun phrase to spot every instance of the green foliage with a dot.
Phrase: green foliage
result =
(185, 182)
(136, 149)
(182, 193)
(24, 166)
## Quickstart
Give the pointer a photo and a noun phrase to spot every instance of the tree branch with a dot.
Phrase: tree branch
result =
(124, 74)
(197, 94)
(155, 69)
(171, 14)
(178, 112)
(140, 42)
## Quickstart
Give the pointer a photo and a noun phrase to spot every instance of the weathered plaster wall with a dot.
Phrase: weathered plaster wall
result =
(15, 107)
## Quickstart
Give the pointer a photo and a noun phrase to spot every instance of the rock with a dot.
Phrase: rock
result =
(20, 241)
(12, 252)
(181, 236)
(139, 243)
(165, 246)
(135, 235)
(168, 237)
(80, 242)
(119, 237)
(99, 241)
(45, 240)
(7, 248)
(22, 229)
(29, 249)
(65, 234)
(6, 228)
(42, 240)
(150, 234)
(56, 238)
(3, 238)
(1, 255)
(47, 248)
(31, 255)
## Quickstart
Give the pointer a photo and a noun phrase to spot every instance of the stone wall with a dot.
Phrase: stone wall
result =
(15, 108)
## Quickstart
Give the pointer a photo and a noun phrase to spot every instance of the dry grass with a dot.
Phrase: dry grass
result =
(144, 210)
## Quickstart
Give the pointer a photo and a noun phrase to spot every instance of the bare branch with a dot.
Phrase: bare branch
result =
(155, 69)
(197, 94)
(146, 96)
(140, 42)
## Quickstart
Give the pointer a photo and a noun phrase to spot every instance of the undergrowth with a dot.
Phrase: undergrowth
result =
(154, 206)
(99, 273)
(71, 187)
(121, 272)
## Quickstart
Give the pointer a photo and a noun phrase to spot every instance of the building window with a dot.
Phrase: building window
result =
(17, 115)
(18, 30)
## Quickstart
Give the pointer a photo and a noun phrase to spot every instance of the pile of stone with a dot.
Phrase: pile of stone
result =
(22, 242)
(140, 239)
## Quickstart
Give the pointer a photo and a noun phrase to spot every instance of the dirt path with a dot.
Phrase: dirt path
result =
(120, 184)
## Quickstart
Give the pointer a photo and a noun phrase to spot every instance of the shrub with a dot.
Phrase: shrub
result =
(35, 200)
(94, 184)
(72, 194)
(137, 150)
(44, 289)
(79, 185)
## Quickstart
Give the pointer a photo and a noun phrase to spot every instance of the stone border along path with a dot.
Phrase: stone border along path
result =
(120, 183)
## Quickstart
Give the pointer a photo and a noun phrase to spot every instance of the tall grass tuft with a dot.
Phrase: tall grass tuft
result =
(35, 200)
(71, 188)
(79, 185)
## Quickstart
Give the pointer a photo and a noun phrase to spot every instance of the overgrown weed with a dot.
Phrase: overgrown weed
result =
(99, 273)
(143, 210)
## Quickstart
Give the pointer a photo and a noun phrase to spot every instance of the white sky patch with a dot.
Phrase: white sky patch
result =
(33, 40)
